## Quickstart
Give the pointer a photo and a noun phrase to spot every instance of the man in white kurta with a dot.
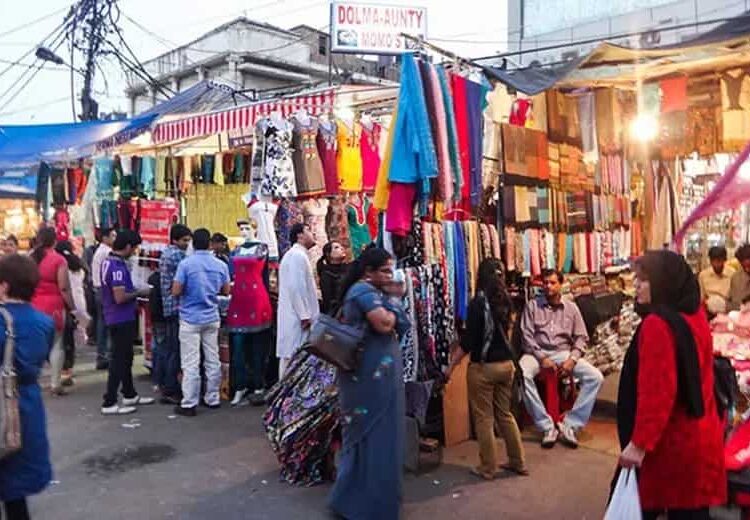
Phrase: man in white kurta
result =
(298, 299)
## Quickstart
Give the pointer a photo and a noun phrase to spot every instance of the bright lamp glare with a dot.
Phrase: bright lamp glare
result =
(644, 127)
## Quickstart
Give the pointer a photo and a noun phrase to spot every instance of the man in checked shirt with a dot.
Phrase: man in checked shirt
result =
(554, 336)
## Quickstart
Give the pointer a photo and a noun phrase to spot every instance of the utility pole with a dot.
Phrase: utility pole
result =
(93, 34)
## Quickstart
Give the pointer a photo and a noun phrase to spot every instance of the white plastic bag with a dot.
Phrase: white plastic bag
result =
(625, 503)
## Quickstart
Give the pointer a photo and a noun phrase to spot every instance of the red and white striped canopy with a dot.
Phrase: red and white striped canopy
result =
(241, 117)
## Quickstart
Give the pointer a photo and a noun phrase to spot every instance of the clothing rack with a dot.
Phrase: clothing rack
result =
(423, 44)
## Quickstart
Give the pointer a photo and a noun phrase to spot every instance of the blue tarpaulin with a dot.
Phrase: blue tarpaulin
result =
(22, 145)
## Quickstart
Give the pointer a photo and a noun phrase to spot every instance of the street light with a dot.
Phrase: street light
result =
(44, 54)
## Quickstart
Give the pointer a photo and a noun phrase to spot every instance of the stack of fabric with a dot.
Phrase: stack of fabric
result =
(605, 352)
(303, 420)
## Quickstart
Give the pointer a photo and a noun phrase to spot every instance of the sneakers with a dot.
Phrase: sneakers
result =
(138, 400)
(185, 412)
(258, 398)
(550, 438)
(170, 399)
(568, 435)
(211, 406)
(238, 396)
(118, 410)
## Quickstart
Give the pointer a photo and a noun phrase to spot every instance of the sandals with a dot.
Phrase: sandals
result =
(523, 472)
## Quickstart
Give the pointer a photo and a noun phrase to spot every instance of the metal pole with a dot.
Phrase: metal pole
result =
(330, 46)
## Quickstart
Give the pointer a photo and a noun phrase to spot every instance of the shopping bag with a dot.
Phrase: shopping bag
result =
(625, 503)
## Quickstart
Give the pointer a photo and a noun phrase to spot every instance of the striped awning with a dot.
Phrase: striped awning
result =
(201, 125)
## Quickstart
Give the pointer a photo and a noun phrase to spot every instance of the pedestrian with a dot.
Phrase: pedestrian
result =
(554, 337)
(298, 297)
(91, 305)
(75, 322)
(28, 471)
(331, 269)
(200, 279)
(119, 311)
(53, 297)
(667, 419)
(220, 247)
(9, 245)
(715, 281)
(739, 284)
(104, 249)
(371, 399)
(179, 237)
(491, 372)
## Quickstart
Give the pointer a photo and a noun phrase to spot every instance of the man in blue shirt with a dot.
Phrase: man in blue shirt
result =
(200, 279)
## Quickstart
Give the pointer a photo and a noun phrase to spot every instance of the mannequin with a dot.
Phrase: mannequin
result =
(263, 212)
(250, 316)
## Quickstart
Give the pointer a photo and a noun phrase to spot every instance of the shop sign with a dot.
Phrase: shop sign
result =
(240, 137)
(375, 28)
(157, 217)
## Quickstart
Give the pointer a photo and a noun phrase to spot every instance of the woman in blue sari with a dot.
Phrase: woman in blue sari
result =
(369, 472)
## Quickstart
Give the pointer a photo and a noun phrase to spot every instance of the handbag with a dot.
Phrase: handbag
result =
(10, 417)
(336, 342)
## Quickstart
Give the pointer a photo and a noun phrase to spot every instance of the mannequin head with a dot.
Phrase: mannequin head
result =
(247, 229)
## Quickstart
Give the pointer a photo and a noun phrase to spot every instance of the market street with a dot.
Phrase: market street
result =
(220, 465)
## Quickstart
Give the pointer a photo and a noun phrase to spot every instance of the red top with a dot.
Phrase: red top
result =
(47, 296)
(684, 463)
(460, 107)
(250, 307)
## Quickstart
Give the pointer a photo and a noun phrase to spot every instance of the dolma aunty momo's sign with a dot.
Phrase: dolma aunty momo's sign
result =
(375, 28)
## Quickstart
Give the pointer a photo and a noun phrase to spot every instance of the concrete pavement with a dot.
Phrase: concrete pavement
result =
(220, 465)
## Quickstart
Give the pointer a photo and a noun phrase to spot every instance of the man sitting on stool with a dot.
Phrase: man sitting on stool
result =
(554, 337)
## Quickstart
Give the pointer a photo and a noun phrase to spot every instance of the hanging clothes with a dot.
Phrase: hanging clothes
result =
(453, 143)
(349, 158)
(369, 150)
(359, 232)
(308, 169)
(315, 211)
(288, 213)
(327, 150)
(445, 179)
(272, 166)
(414, 158)
(264, 215)
(337, 226)
(475, 96)
(400, 208)
(382, 185)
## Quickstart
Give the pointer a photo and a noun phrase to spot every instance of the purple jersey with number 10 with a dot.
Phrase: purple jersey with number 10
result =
(115, 273)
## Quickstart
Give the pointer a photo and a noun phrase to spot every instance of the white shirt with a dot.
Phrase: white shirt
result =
(264, 213)
(298, 300)
(101, 254)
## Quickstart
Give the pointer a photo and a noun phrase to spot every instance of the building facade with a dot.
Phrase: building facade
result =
(253, 57)
(534, 25)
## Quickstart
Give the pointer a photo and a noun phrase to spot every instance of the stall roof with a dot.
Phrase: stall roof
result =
(28, 144)
(723, 47)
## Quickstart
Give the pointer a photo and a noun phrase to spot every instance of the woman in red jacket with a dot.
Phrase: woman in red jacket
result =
(666, 413)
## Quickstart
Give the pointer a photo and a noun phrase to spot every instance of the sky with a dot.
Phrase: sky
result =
(470, 28)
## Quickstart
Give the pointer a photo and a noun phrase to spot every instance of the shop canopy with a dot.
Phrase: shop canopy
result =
(242, 117)
(28, 144)
(724, 47)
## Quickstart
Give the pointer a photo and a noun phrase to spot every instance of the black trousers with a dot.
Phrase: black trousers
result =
(16, 510)
(121, 361)
(679, 514)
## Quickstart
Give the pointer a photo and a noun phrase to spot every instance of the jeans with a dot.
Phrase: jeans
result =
(56, 360)
(490, 389)
(253, 348)
(102, 338)
(591, 381)
(122, 336)
(193, 340)
(166, 356)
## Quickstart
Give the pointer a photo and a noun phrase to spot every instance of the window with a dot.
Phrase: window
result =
(323, 44)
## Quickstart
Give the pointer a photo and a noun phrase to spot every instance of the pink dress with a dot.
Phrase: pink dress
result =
(47, 297)
(369, 148)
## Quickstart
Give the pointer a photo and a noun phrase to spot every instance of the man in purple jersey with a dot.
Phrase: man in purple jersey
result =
(119, 312)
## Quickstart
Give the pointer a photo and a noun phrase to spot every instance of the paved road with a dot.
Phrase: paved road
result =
(219, 465)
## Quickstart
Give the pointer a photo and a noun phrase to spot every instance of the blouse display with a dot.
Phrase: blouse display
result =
(349, 158)
(369, 148)
(327, 149)
(272, 166)
(250, 307)
(359, 231)
(307, 166)
(315, 212)
(264, 213)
